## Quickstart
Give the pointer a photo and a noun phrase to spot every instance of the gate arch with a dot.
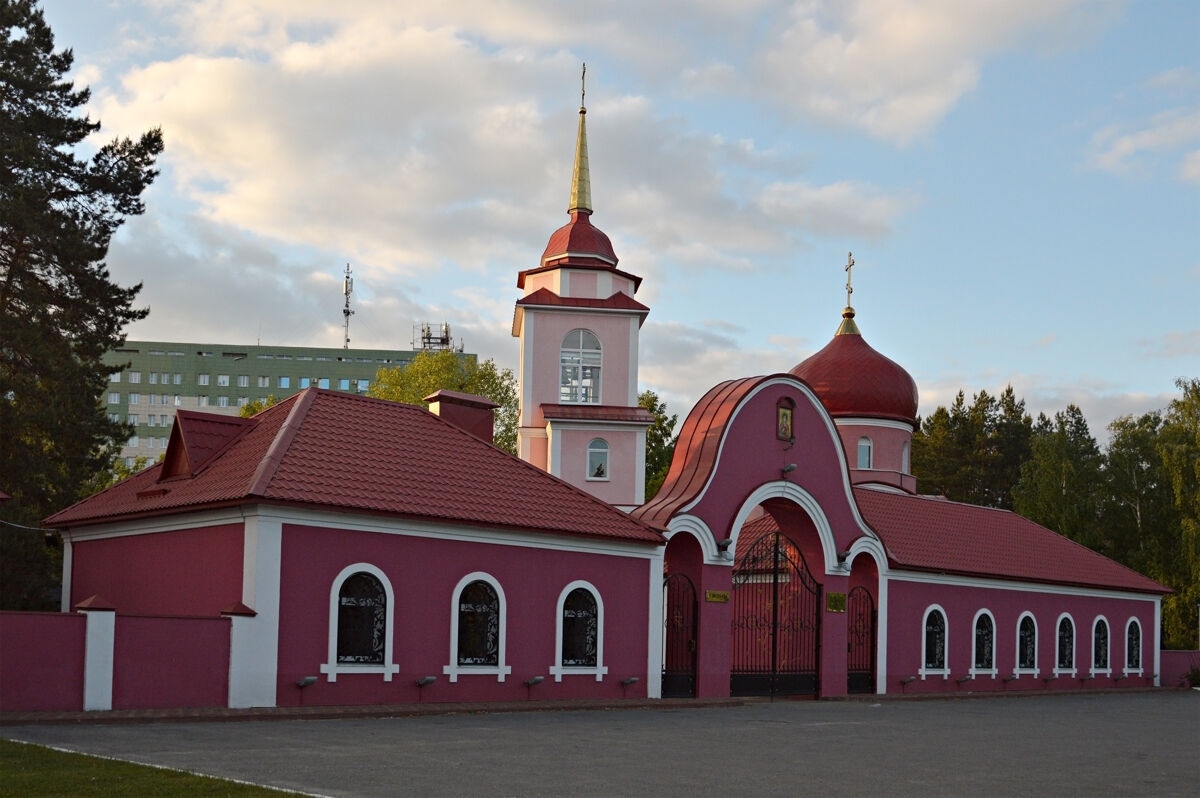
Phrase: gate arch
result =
(680, 631)
(862, 622)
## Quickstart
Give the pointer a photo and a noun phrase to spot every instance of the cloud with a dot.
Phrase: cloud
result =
(1179, 79)
(1173, 344)
(1165, 134)
(1189, 168)
(892, 68)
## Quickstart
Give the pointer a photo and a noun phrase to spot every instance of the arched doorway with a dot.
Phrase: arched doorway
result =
(679, 637)
(862, 628)
(775, 624)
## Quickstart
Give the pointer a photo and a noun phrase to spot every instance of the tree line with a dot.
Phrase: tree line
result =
(1135, 500)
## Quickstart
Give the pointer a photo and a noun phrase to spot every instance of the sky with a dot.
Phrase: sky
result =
(1019, 181)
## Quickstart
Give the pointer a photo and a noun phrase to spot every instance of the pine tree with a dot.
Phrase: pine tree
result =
(59, 309)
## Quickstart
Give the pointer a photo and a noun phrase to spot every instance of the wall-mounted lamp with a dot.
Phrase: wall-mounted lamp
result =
(629, 681)
(843, 557)
(723, 547)
(307, 681)
(966, 678)
(425, 681)
(1012, 678)
(789, 468)
(532, 680)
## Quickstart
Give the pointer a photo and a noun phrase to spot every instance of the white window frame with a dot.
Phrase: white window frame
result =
(202, 379)
(1017, 669)
(243, 380)
(135, 377)
(1093, 670)
(992, 671)
(114, 377)
(607, 461)
(1128, 671)
(905, 458)
(1074, 669)
(944, 671)
(222, 380)
(870, 451)
(558, 670)
(285, 382)
(577, 381)
(499, 670)
(114, 398)
(332, 667)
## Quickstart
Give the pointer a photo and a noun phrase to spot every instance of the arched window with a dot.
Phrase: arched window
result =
(579, 633)
(905, 458)
(864, 452)
(1027, 645)
(361, 611)
(983, 658)
(1100, 646)
(579, 362)
(933, 643)
(1065, 662)
(477, 628)
(597, 460)
(1133, 647)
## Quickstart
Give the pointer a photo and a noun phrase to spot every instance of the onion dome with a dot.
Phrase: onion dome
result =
(852, 380)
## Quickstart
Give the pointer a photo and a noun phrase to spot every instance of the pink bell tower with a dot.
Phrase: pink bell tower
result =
(578, 324)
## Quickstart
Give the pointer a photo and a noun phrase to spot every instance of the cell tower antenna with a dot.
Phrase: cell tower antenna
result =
(347, 290)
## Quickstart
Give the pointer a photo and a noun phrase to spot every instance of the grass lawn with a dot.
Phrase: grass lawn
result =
(33, 770)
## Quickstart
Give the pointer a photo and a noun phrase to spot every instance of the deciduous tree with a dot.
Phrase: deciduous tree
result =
(660, 441)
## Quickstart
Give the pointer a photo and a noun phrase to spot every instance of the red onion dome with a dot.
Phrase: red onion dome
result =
(853, 380)
(579, 238)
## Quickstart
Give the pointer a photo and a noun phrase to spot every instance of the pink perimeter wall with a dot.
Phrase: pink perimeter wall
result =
(170, 662)
(423, 573)
(182, 572)
(1176, 665)
(41, 661)
(907, 602)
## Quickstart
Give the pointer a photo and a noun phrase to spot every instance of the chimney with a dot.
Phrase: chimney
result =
(468, 412)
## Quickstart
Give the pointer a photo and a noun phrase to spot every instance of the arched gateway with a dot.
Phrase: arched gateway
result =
(760, 517)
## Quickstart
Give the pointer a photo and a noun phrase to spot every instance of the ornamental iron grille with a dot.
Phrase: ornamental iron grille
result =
(679, 637)
(1100, 646)
(776, 621)
(1027, 644)
(1066, 644)
(985, 643)
(362, 620)
(862, 626)
(1133, 647)
(935, 640)
(478, 625)
(579, 629)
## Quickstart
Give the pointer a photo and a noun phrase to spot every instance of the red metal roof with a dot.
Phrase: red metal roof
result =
(331, 450)
(597, 413)
(579, 237)
(696, 451)
(927, 533)
(618, 301)
(853, 380)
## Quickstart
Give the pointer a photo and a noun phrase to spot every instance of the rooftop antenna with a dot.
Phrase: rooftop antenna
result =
(347, 290)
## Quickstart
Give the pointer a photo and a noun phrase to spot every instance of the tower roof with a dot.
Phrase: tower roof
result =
(853, 380)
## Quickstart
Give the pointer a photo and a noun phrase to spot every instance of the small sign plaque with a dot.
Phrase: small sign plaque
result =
(835, 602)
(717, 596)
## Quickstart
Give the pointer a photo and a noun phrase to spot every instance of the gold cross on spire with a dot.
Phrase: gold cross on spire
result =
(583, 86)
(849, 266)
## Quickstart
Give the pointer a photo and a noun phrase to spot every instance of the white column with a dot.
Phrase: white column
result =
(654, 663)
(98, 658)
(254, 641)
(68, 560)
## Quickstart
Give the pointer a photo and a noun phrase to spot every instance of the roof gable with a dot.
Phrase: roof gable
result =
(196, 438)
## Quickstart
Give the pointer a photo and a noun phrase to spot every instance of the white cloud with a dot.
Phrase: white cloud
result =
(1189, 168)
(1166, 133)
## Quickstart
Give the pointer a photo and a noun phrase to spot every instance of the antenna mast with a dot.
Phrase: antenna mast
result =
(347, 290)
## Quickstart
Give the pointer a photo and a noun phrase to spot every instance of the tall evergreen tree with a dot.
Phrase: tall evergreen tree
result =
(59, 309)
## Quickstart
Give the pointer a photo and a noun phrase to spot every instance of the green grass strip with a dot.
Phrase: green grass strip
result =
(34, 770)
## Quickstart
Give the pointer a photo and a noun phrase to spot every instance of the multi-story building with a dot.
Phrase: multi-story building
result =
(162, 377)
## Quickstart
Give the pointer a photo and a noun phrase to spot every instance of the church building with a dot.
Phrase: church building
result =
(339, 549)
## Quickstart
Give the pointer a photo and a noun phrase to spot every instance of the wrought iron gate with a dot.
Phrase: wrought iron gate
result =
(776, 621)
(862, 622)
(679, 637)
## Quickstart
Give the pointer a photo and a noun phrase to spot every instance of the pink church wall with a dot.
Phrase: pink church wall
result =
(548, 280)
(41, 661)
(622, 452)
(170, 662)
(613, 332)
(423, 573)
(182, 572)
(907, 602)
(886, 444)
(582, 284)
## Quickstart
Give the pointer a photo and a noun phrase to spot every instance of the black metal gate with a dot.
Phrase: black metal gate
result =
(679, 637)
(776, 621)
(862, 623)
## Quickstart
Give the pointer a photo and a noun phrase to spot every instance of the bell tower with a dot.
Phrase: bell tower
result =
(578, 325)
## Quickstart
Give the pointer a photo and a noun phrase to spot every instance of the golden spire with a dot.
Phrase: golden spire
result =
(581, 180)
(848, 327)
